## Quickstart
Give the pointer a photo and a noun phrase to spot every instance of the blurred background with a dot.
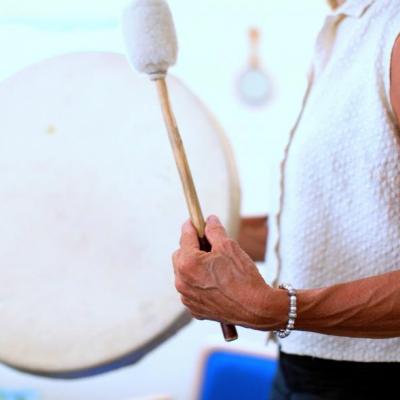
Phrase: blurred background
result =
(247, 60)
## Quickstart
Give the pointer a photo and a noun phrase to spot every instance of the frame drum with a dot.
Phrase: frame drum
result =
(91, 207)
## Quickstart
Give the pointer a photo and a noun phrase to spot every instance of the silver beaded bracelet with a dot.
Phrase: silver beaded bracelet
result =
(284, 333)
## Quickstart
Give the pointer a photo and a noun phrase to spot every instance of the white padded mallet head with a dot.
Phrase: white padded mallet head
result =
(150, 37)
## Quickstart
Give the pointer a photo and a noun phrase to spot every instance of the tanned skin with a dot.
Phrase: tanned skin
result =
(225, 285)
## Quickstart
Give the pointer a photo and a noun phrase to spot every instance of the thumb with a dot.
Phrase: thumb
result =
(189, 240)
(215, 231)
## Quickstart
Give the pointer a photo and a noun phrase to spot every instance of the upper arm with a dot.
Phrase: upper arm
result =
(395, 79)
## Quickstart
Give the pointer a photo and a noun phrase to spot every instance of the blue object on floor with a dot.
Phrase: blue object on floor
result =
(237, 376)
(18, 395)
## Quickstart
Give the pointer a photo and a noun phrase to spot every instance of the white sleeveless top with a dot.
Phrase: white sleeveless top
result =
(339, 217)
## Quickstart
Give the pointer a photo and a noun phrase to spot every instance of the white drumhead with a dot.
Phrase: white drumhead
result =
(91, 208)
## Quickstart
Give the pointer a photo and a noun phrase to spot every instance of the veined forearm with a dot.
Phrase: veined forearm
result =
(368, 308)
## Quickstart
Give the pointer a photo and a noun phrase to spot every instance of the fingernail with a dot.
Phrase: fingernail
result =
(213, 219)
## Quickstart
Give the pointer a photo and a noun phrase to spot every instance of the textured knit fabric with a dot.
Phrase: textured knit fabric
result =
(339, 217)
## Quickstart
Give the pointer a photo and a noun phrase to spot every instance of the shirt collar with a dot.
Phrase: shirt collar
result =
(352, 8)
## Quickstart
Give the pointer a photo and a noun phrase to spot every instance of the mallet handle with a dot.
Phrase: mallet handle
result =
(189, 188)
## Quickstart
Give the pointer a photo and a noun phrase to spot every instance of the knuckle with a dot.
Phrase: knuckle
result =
(229, 244)
(197, 316)
(180, 285)
(215, 230)
(183, 288)
(175, 257)
(228, 241)
(185, 302)
(182, 262)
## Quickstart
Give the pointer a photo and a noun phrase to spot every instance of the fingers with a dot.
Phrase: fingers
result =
(187, 255)
(215, 231)
(192, 308)
(189, 240)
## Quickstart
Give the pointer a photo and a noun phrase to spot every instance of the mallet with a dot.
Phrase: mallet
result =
(152, 47)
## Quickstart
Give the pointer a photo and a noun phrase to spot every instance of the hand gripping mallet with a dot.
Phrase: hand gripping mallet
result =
(151, 42)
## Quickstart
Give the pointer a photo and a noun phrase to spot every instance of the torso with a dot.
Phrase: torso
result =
(340, 204)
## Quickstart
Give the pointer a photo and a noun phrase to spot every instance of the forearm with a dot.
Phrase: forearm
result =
(368, 308)
(225, 285)
(253, 237)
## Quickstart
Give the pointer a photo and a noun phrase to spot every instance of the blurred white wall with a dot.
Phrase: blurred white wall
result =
(213, 51)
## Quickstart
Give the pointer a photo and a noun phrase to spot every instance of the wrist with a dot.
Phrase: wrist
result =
(282, 305)
(307, 304)
(273, 309)
(275, 306)
(292, 313)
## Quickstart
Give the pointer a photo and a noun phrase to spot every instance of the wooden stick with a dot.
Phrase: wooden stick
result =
(189, 188)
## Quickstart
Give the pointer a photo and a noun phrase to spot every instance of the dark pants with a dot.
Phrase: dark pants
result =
(308, 378)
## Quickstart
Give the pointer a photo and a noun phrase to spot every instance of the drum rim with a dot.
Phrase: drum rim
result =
(129, 359)
(184, 318)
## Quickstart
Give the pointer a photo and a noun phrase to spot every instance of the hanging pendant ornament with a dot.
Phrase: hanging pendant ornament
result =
(254, 86)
